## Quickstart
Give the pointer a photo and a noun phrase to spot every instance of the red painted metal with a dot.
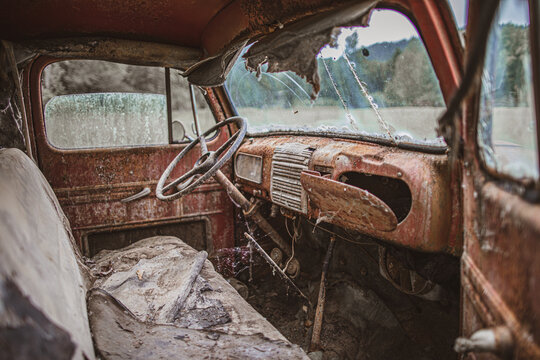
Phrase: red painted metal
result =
(243, 19)
(429, 226)
(346, 205)
(500, 266)
(178, 22)
(90, 183)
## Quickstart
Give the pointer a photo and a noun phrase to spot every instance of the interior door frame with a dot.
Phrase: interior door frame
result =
(499, 266)
(90, 196)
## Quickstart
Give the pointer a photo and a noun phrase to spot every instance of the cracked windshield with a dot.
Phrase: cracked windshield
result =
(376, 81)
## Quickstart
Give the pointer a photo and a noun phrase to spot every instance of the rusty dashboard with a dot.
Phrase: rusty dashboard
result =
(395, 195)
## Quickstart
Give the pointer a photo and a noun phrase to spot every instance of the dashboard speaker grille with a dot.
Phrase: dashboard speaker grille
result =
(288, 162)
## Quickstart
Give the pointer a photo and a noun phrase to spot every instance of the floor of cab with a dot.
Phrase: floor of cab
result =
(365, 317)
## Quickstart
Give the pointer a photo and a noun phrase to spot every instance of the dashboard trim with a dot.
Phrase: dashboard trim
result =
(430, 224)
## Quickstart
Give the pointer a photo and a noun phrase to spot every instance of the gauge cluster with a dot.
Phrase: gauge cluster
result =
(248, 167)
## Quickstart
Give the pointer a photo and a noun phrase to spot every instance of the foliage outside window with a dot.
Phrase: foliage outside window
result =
(507, 126)
(91, 103)
(375, 81)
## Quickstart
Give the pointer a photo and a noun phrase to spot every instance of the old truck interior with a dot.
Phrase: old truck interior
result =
(290, 179)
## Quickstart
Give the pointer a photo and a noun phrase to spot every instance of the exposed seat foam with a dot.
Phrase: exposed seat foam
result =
(146, 279)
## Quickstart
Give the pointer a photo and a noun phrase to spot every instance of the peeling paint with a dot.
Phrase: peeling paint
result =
(428, 226)
(296, 47)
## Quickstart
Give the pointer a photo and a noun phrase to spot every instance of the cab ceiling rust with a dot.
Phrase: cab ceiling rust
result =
(179, 22)
(208, 24)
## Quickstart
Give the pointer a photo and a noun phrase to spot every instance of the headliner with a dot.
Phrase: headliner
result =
(202, 24)
(179, 22)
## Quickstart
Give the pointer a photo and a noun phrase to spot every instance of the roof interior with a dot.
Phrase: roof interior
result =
(178, 22)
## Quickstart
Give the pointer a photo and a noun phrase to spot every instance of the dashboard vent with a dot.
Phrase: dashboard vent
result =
(288, 162)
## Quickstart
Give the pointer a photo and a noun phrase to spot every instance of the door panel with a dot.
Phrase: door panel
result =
(499, 267)
(501, 263)
(90, 184)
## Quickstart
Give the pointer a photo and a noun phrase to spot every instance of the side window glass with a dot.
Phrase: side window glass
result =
(507, 124)
(93, 104)
(182, 116)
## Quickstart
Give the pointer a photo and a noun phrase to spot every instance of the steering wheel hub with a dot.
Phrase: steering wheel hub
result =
(206, 160)
(206, 165)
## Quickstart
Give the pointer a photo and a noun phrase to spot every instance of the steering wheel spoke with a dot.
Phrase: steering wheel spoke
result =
(183, 179)
(226, 144)
(206, 166)
(202, 141)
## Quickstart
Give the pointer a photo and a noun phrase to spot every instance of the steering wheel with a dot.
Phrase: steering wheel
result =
(208, 163)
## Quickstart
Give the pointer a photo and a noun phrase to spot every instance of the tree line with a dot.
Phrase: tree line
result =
(392, 73)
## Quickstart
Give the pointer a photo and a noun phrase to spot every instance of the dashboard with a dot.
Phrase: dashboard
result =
(395, 195)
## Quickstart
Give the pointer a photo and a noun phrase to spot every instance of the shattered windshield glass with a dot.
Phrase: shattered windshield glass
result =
(376, 81)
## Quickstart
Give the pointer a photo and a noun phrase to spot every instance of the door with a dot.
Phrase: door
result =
(501, 259)
(103, 135)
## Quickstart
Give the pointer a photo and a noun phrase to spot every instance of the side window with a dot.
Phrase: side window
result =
(507, 124)
(182, 114)
(93, 104)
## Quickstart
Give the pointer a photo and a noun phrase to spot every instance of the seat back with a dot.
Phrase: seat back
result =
(43, 282)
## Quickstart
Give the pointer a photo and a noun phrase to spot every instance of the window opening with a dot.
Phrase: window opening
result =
(93, 104)
(507, 124)
(376, 81)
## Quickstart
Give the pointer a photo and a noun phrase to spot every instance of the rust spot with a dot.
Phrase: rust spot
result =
(348, 206)
(430, 223)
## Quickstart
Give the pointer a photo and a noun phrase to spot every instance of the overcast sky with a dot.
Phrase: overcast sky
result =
(377, 31)
(514, 11)
(460, 12)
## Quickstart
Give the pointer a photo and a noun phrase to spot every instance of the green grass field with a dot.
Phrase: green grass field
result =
(420, 123)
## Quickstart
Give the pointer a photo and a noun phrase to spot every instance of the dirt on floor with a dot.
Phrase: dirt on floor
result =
(365, 316)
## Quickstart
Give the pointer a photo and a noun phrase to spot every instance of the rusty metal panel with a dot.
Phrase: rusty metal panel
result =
(347, 205)
(91, 183)
(500, 266)
(431, 222)
(167, 21)
(128, 51)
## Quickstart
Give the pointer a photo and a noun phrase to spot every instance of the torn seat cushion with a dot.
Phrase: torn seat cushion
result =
(146, 288)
